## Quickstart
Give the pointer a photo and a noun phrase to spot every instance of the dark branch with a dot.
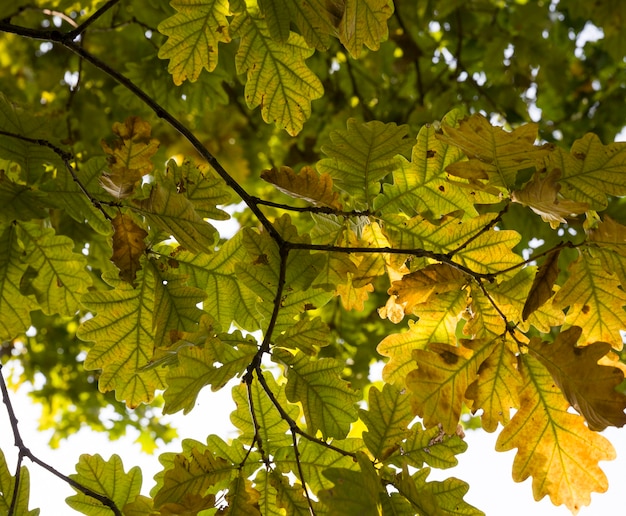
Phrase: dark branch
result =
(25, 452)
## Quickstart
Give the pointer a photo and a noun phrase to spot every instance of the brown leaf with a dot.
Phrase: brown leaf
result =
(128, 157)
(541, 195)
(308, 184)
(588, 386)
(419, 286)
(541, 289)
(128, 246)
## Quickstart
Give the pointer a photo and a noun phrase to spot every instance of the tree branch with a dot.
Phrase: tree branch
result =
(25, 452)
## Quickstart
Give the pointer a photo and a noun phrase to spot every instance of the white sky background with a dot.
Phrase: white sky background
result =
(487, 472)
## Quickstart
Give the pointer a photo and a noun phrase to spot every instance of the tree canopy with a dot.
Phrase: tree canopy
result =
(432, 184)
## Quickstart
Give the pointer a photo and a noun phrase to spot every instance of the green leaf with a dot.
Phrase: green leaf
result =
(175, 214)
(175, 303)
(307, 335)
(31, 157)
(364, 22)
(67, 195)
(60, 277)
(107, 478)
(387, 419)
(20, 202)
(327, 400)
(227, 298)
(194, 472)
(196, 368)
(201, 186)
(273, 429)
(591, 171)
(315, 19)
(123, 333)
(431, 446)
(7, 490)
(354, 492)
(422, 186)
(194, 33)
(242, 498)
(277, 78)
(360, 156)
(315, 459)
(14, 306)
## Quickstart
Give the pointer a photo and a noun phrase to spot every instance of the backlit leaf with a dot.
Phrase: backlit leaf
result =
(495, 390)
(128, 246)
(364, 23)
(128, 157)
(421, 186)
(175, 214)
(595, 302)
(542, 287)
(277, 78)
(360, 156)
(541, 195)
(494, 154)
(307, 185)
(591, 170)
(386, 419)
(14, 306)
(327, 400)
(193, 35)
(609, 244)
(60, 277)
(307, 335)
(123, 333)
(438, 385)
(554, 446)
(220, 358)
(588, 386)
(7, 490)
(106, 478)
(242, 498)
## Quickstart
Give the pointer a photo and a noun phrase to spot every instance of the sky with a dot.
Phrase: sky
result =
(487, 471)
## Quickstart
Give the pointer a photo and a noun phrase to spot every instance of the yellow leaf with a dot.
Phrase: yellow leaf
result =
(277, 77)
(588, 386)
(128, 157)
(353, 298)
(541, 289)
(609, 244)
(194, 33)
(128, 246)
(494, 154)
(443, 375)
(437, 323)
(417, 287)
(364, 22)
(595, 302)
(308, 184)
(554, 447)
(495, 391)
(541, 195)
(591, 171)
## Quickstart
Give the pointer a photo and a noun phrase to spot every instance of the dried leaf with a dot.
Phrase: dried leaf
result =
(308, 184)
(588, 386)
(541, 289)
(128, 246)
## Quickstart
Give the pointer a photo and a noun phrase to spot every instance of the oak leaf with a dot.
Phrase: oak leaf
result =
(554, 446)
(128, 157)
(306, 184)
(541, 195)
(128, 246)
(193, 35)
(609, 244)
(364, 22)
(443, 375)
(588, 386)
(494, 154)
(542, 287)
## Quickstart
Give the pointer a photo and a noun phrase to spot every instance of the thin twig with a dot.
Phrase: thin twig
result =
(313, 209)
(73, 34)
(483, 230)
(25, 452)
